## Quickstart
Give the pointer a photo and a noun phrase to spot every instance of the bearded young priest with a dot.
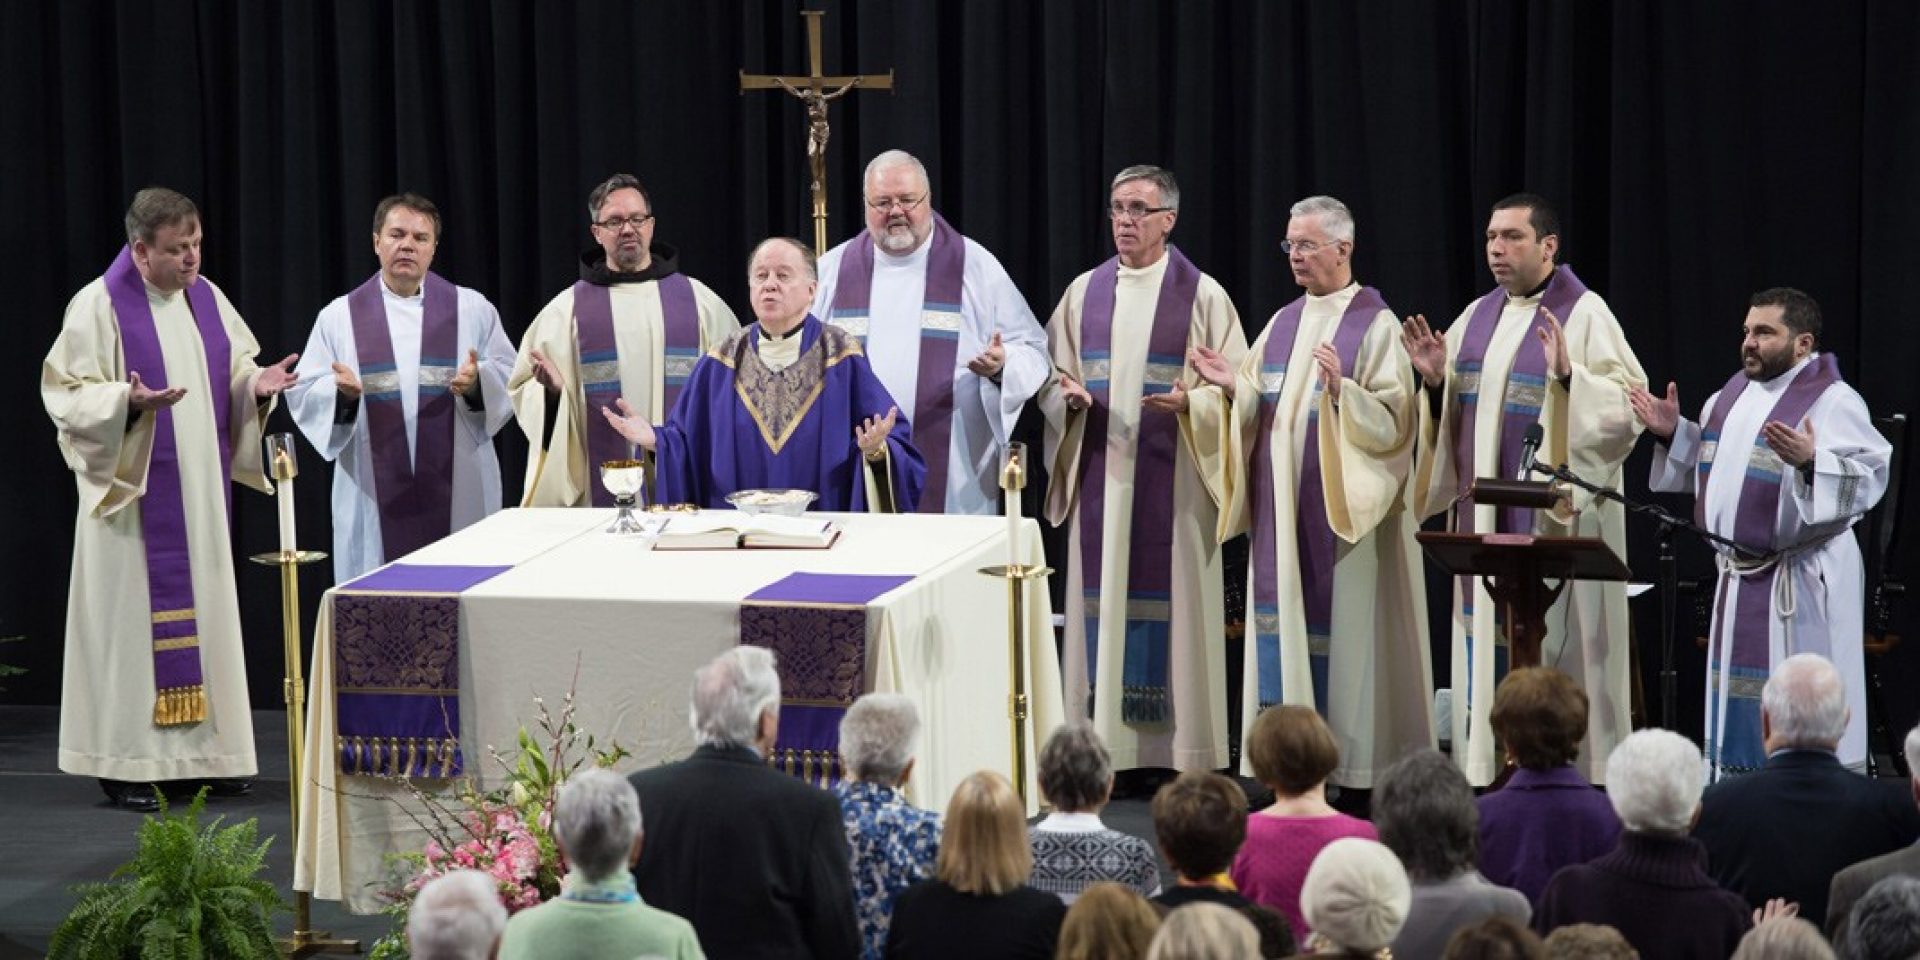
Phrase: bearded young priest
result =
(1783, 460)
(787, 402)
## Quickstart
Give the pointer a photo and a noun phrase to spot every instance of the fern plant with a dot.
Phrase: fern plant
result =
(190, 892)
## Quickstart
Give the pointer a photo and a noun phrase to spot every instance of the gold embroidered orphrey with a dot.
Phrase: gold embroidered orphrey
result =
(778, 402)
(816, 91)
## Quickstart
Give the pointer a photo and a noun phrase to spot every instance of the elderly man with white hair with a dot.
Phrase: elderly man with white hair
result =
(1653, 887)
(1756, 828)
(894, 842)
(596, 821)
(456, 916)
(757, 860)
(1851, 884)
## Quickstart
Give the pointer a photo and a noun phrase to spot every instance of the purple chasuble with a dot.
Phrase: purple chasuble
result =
(415, 494)
(939, 340)
(599, 356)
(180, 692)
(1739, 653)
(1316, 544)
(816, 625)
(1147, 631)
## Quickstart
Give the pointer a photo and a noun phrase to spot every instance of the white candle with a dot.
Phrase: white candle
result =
(285, 496)
(1013, 528)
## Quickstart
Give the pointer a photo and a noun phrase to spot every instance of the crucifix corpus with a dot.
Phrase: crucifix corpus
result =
(816, 91)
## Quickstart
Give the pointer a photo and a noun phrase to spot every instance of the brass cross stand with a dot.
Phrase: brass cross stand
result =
(1013, 478)
(816, 91)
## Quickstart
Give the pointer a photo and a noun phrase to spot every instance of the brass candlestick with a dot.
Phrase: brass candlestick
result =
(304, 941)
(1017, 574)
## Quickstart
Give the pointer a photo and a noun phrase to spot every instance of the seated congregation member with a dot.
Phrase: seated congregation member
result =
(1588, 941)
(1548, 815)
(1849, 884)
(1886, 922)
(1493, 938)
(1784, 938)
(1355, 898)
(456, 916)
(1424, 811)
(1204, 931)
(894, 843)
(1109, 921)
(755, 859)
(596, 822)
(978, 904)
(1653, 886)
(1071, 847)
(1200, 820)
(1291, 752)
(1756, 827)
(785, 402)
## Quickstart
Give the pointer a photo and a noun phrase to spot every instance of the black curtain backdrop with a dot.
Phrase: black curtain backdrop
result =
(1697, 151)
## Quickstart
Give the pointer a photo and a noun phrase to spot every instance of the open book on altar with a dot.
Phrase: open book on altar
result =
(728, 531)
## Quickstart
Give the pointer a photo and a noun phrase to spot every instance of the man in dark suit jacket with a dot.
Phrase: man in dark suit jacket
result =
(1787, 828)
(755, 859)
(1851, 884)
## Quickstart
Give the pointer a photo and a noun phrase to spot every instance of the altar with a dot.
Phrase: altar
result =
(635, 623)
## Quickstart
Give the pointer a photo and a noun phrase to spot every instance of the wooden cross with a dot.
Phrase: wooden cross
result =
(816, 90)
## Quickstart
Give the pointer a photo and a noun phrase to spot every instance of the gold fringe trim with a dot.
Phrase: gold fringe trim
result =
(177, 705)
(396, 756)
(822, 768)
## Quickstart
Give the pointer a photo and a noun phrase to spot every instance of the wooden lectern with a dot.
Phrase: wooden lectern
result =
(1517, 565)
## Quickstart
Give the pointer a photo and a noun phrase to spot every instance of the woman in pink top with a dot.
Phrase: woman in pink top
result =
(1292, 752)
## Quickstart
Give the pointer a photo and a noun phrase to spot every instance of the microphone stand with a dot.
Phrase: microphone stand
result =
(1669, 568)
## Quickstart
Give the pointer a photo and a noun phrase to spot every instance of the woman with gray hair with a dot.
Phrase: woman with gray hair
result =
(1072, 848)
(456, 916)
(894, 844)
(1204, 931)
(596, 823)
(1355, 899)
(1653, 887)
(1424, 811)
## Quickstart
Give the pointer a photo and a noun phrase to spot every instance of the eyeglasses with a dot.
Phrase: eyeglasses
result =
(1306, 248)
(1133, 211)
(616, 224)
(906, 204)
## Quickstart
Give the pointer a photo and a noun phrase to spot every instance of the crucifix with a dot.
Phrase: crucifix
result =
(816, 91)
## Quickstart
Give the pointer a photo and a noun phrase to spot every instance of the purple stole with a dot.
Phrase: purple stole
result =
(1144, 696)
(415, 496)
(1315, 538)
(180, 692)
(1740, 643)
(600, 364)
(939, 341)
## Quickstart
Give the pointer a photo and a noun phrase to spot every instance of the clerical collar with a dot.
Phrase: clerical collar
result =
(766, 334)
(1351, 286)
(419, 292)
(1542, 288)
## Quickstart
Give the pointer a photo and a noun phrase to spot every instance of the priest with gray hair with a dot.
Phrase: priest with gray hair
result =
(755, 859)
(894, 842)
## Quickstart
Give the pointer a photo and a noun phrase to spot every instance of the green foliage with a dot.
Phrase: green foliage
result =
(190, 892)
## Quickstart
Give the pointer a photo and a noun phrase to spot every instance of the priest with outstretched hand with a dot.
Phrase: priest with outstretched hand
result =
(787, 402)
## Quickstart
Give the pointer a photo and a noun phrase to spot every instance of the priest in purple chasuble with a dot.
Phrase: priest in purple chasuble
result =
(403, 384)
(158, 405)
(1307, 446)
(1145, 624)
(944, 328)
(1809, 463)
(787, 402)
(1540, 348)
(631, 328)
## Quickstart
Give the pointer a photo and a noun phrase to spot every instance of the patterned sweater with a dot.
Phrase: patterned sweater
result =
(1072, 851)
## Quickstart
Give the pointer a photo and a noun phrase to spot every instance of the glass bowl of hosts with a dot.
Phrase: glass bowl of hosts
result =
(778, 503)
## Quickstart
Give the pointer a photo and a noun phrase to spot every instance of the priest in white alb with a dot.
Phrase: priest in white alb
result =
(1307, 446)
(402, 385)
(630, 329)
(1542, 349)
(944, 328)
(153, 389)
(1783, 460)
(1145, 630)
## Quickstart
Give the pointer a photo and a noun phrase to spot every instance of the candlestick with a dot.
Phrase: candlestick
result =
(1013, 478)
(283, 467)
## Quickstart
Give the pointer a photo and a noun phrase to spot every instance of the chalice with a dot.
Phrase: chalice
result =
(624, 479)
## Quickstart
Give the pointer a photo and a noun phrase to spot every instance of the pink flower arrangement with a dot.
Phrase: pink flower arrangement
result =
(499, 842)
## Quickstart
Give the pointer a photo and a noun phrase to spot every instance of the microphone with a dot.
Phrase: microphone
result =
(1528, 447)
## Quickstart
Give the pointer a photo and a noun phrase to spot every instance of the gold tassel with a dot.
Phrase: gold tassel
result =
(393, 756)
(179, 705)
(413, 753)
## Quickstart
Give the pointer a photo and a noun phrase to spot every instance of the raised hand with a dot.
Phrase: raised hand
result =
(1660, 414)
(1553, 340)
(143, 397)
(1776, 907)
(345, 382)
(1077, 396)
(991, 360)
(271, 380)
(1211, 366)
(1794, 446)
(1427, 349)
(468, 375)
(547, 372)
(629, 424)
(1173, 401)
(871, 433)
(1328, 360)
